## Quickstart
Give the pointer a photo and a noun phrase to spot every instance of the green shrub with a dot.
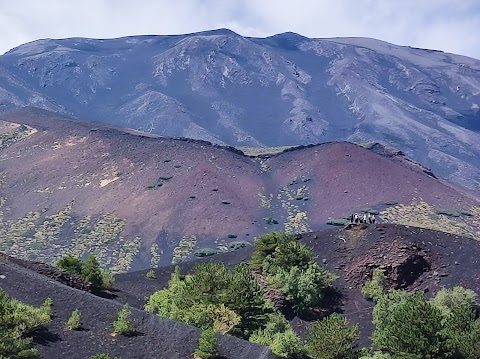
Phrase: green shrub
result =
(374, 289)
(225, 202)
(466, 213)
(71, 264)
(447, 212)
(279, 336)
(331, 338)
(231, 236)
(103, 356)
(73, 322)
(265, 245)
(91, 271)
(407, 325)
(205, 252)
(165, 177)
(462, 332)
(239, 244)
(17, 320)
(108, 279)
(207, 345)
(448, 299)
(304, 288)
(151, 274)
(212, 283)
(123, 324)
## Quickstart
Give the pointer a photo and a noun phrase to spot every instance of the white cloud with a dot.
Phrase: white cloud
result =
(446, 25)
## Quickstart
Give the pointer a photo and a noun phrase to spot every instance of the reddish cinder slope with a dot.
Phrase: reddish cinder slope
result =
(79, 187)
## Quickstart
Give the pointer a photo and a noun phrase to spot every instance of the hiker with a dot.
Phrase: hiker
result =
(369, 218)
(364, 218)
(373, 218)
(356, 219)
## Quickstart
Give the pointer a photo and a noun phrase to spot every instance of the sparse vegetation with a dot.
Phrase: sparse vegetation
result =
(151, 274)
(103, 356)
(73, 322)
(89, 270)
(123, 325)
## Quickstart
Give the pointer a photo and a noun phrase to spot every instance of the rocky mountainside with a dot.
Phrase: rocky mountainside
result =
(139, 200)
(282, 90)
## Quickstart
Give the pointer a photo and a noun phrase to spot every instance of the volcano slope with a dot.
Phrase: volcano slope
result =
(138, 201)
(412, 259)
(155, 337)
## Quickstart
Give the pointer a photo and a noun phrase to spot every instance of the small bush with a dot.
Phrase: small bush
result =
(91, 271)
(447, 212)
(73, 322)
(108, 279)
(207, 345)
(225, 202)
(151, 274)
(205, 252)
(123, 324)
(239, 244)
(374, 289)
(165, 177)
(232, 236)
(71, 264)
(466, 213)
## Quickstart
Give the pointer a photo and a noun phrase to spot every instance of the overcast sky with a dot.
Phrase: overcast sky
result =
(448, 25)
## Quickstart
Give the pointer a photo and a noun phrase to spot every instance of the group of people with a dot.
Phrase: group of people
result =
(366, 218)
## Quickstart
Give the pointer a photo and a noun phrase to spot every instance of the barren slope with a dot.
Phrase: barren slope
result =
(138, 201)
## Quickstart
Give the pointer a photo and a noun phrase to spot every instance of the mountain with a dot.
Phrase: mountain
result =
(139, 200)
(282, 90)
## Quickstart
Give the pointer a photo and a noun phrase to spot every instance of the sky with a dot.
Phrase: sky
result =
(447, 25)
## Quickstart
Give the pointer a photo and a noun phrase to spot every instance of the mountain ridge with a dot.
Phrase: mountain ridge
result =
(281, 90)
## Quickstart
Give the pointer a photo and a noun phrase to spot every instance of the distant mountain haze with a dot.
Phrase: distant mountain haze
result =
(282, 90)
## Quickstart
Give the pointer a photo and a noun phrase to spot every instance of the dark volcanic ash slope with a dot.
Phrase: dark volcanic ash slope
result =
(138, 200)
(156, 337)
(281, 90)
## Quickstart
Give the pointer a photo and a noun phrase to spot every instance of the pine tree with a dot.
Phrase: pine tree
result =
(91, 271)
(207, 345)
